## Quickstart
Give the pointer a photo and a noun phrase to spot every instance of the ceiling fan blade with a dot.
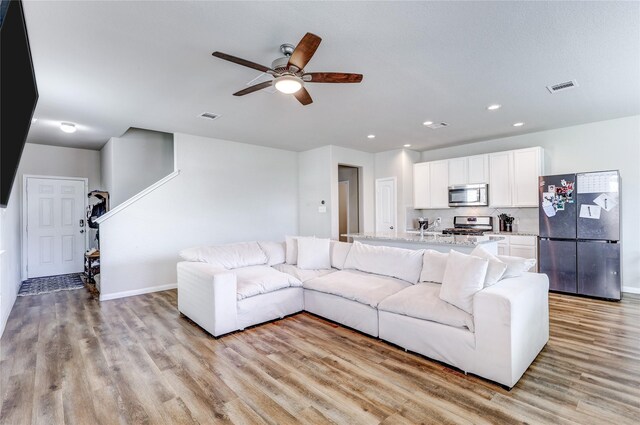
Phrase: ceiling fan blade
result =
(304, 50)
(254, 88)
(242, 62)
(331, 77)
(303, 96)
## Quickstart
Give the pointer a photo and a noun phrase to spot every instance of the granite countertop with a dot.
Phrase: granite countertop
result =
(512, 233)
(427, 239)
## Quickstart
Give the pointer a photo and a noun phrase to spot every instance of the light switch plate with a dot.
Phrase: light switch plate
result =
(322, 209)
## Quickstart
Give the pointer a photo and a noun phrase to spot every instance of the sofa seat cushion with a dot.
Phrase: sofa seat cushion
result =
(300, 274)
(365, 288)
(422, 301)
(256, 280)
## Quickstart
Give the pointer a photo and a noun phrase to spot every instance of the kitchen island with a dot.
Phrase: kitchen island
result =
(437, 242)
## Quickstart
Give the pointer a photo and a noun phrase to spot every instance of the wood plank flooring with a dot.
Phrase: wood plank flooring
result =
(65, 358)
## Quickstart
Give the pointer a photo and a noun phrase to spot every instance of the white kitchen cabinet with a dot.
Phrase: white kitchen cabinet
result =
(431, 185)
(500, 175)
(513, 177)
(527, 167)
(469, 170)
(503, 246)
(421, 185)
(478, 169)
(458, 171)
(519, 246)
(439, 184)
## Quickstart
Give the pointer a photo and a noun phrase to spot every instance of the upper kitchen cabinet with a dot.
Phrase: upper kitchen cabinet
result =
(513, 177)
(527, 167)
(421, 185)
(478, 169)
(431, 185)
(469, 170)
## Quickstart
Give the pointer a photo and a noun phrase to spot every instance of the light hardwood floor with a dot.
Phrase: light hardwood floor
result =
(65, 358)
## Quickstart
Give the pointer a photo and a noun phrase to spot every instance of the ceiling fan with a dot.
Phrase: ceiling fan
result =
(288, 71)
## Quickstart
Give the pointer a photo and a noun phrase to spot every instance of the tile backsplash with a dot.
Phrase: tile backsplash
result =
(526, 218)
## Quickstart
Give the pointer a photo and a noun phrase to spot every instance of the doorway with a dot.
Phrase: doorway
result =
(54, 225)
(348, 200)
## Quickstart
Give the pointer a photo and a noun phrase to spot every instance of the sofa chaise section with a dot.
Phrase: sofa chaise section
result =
(510, 327)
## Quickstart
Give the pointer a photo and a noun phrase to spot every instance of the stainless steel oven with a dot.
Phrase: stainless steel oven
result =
(468, 195)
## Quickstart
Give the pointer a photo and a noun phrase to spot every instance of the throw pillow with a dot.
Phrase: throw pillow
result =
(314, 253)
(275, 251)
(496, 268)
(433, 265)
(463, 277)
(516, 265)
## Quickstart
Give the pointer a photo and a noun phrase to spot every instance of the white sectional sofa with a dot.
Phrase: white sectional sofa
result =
(421, 301)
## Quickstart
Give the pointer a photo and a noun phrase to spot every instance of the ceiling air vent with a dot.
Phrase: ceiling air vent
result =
(209, 115)
(437, 125)
(562, 86)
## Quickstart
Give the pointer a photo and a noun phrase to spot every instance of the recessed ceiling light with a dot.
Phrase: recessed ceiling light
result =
(407, 145)
(427, 123)
(494, 107)
(518, 124)
(371, 136)
(33, 120)
(68, 127)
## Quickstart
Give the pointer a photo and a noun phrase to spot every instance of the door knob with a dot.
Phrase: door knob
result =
(82, 231)
(391, 227)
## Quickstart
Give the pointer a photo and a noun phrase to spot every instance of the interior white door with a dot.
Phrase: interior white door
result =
(55, 237)
(386, 204)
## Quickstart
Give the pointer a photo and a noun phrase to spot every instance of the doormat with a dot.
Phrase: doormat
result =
(48, 284)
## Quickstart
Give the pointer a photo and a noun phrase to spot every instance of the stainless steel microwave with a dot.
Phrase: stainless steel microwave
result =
(468, 195)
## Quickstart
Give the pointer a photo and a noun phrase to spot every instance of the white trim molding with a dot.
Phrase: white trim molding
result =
(137, 196)
(631, 289)
(124, 294)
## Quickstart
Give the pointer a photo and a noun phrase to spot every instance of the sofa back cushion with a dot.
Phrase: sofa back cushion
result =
(291, 255)
(339, 252)
(433, 265)
(275, 252)
(400, 263)
(516, 265)
(231, 256)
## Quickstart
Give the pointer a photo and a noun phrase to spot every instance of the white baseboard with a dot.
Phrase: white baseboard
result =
(124, 294)
(631, 289)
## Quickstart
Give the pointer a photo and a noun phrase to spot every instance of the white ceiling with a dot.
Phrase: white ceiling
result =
(108, 66)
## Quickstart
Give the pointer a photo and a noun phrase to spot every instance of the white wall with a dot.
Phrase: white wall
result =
(36, 160)
(604, 145)
(314, 174)
(9, 255)
(318, 171)
(225, 192)
(398, 163)
(134, 162)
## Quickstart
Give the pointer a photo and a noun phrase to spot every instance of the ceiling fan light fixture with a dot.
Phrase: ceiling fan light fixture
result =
(288, 84)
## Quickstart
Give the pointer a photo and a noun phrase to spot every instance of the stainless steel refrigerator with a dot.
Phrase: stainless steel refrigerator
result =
(580, 233)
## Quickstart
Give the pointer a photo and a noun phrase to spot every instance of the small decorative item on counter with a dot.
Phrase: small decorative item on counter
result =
(506, 222)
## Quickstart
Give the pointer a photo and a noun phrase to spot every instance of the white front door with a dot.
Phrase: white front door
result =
(55, 237)
(386, 204)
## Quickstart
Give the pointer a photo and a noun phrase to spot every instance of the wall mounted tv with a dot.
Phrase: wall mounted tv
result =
(18, 92)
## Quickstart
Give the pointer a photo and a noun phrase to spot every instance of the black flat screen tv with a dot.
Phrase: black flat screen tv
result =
(18, 92)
